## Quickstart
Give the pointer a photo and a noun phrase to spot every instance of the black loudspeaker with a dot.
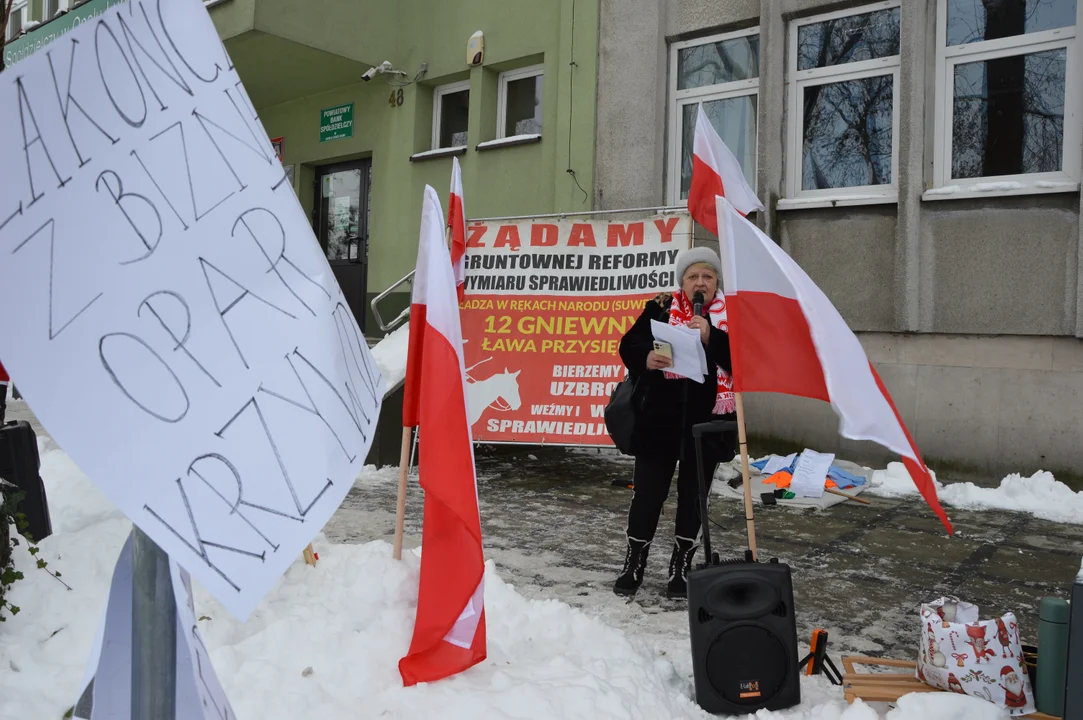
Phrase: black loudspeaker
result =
(744, 637)
(19, 465)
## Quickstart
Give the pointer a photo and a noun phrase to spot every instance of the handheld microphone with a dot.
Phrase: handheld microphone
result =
(697, 304)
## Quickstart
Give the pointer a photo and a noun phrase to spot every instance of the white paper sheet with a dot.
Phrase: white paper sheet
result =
(810, 474)
(170, 315)
(105, 693)
(689, 359)
(775, 463)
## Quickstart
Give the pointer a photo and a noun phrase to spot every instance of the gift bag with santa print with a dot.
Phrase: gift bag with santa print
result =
(982, 658)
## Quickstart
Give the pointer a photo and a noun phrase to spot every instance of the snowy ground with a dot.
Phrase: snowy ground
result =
(1040, 495)
(326, 641)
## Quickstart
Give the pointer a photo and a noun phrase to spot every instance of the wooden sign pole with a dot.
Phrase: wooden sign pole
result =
(400, 507)
(746, 476)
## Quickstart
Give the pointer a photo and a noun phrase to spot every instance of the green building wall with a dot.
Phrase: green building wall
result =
(289, 55)
(298, 58)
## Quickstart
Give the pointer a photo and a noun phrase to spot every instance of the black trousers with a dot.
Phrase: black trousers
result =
(653, 478)
(3, 401)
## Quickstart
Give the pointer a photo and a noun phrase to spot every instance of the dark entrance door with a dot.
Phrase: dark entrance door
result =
(343, 194)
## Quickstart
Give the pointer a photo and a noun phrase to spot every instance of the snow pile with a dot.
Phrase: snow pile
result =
(895, 482)
(932, 706)
(1040, 495)
(390, 355)
(326, 642)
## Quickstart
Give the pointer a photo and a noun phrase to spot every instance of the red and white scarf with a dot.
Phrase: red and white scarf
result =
(680, 313)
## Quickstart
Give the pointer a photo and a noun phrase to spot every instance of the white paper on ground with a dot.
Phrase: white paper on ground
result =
(105, 693)
(689, 359)
(776, 463)
(180, 332)
(810, 474)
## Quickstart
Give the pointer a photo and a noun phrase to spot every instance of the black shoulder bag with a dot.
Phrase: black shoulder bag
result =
(622, 412)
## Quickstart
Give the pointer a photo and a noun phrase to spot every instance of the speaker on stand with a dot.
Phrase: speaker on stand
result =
(741, 620)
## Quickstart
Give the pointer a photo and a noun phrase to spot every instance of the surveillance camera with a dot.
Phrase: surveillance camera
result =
(369, 74)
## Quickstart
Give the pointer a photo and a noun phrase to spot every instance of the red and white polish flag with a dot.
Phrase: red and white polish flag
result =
(449, 632)
(715, 171)
(456, 220)
(787, 337)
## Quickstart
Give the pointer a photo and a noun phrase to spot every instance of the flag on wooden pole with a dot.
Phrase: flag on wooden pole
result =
(715, 171)
(773, 304)
(456, 220)
(449, 632)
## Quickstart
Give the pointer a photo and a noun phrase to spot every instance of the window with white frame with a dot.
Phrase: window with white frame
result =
(723, 73)
(843, 119)
(519, 102)
(52, 8)
(1008, 96)
(450, 115)
(17, 20)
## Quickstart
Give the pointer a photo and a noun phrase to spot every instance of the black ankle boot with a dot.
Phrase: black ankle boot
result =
(680, 563)
(635, 560)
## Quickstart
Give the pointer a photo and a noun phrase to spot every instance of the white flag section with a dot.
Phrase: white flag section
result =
(168, 312)
(106, 690)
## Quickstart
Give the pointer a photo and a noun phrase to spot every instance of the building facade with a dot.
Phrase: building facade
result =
(921, 160)
(520, 120)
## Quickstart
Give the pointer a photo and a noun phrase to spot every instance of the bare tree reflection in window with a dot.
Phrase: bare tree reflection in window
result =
(969, 20)
(854, 38)
(718, 62)
(848, 133)
(847, 125)
(1008, 114)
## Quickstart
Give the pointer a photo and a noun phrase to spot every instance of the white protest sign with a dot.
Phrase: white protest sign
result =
(167, 311)
(810, 473)
(106, 690)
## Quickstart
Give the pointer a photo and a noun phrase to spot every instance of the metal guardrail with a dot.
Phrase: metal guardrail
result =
(388, 327)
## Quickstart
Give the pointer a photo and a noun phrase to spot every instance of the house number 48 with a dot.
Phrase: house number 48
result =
(395, 99)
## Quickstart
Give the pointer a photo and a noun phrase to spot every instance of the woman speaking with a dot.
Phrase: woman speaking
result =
(671, 405)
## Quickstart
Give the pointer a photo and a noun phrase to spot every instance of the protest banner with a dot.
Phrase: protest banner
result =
(547, 302)
(169, 314)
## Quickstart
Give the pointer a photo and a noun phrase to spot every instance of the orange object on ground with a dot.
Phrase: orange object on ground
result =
(783, 478)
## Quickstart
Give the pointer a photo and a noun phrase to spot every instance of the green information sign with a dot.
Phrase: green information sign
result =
(35, 40)
(336, 123)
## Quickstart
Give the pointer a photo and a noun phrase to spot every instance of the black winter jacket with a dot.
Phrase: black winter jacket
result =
(667, 413)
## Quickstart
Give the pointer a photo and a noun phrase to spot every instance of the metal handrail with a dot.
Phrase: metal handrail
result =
(388, 327)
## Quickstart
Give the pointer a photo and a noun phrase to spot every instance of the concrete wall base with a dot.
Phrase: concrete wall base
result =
(1000, 405)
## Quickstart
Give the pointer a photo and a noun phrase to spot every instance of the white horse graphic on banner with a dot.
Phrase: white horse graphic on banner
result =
(481, 394)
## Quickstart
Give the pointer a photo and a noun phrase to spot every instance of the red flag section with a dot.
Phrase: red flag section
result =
(456, 220)
(787, 337)
(449, 632)
(715, 171)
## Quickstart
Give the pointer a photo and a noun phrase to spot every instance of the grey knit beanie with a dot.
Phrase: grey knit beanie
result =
(690, 257)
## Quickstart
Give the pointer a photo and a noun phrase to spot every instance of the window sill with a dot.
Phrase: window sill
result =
(509, 142)
(438, 153)
(837, 201)
(999, 189)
